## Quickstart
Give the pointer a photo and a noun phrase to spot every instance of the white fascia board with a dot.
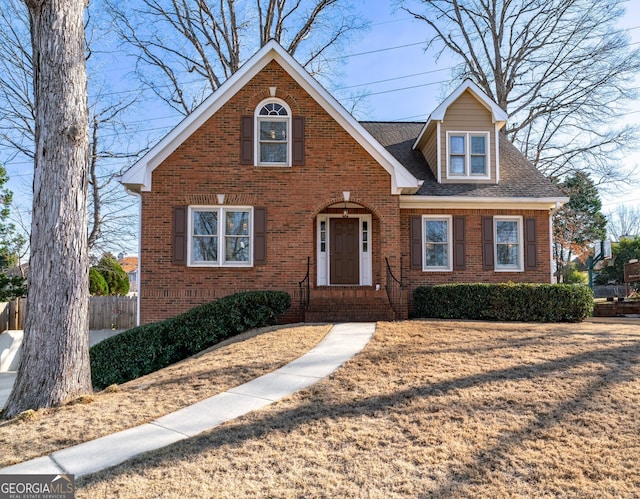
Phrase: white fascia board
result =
(497, 146)
(423, 132)
(140, 172)
(465, 202)
(498, 115)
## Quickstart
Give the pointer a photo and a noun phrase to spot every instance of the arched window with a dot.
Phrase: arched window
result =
(273, 123)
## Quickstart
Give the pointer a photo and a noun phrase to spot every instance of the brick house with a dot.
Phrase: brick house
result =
(270, 180)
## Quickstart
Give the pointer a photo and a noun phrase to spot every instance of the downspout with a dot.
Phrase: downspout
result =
(139, 281)
(551, 241)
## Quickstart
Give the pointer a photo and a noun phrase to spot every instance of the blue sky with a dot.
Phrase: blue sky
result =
(413, 98)
(404, 81)
(389, 62)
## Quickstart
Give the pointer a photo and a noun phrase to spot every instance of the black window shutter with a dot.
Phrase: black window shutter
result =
(259, 236)
(530, 260)
(180, 235)
(416, 242)
(459, 244)
(487, 243)
(298, 141)
(246, 140)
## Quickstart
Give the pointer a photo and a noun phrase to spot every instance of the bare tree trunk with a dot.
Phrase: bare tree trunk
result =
(55, 357)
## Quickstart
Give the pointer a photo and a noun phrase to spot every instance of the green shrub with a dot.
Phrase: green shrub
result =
(97, 285)
(116, 279)
(145, 349)
(504, 302)
(12, 287)
(571, 274)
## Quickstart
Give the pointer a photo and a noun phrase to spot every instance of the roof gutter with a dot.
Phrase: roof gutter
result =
(466, 202)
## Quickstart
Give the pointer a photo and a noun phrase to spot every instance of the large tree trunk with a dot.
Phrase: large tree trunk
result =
(55, 354)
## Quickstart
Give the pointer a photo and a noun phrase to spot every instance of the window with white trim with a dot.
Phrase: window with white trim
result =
(467, 155)
(508, 243)
(273, 127)
(220, 236)
(436, 235)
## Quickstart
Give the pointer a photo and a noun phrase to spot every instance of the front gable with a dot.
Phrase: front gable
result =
(138, 178)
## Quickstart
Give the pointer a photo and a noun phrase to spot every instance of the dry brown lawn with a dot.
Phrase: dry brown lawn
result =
(230, 363)
(428, 409)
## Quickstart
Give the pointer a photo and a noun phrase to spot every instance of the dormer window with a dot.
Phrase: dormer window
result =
(467, 155)
(273, 123)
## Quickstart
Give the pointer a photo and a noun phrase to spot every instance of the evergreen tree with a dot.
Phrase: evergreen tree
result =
(579, 223)
(11, 286)
(97, 284)
(117, 279)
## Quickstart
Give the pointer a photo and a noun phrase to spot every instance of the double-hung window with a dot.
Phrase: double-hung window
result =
(508, 243)
(467, 155)
(273, 121)
(220, 236)
(437, 250)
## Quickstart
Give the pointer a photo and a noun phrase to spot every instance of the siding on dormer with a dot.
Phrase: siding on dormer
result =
(430, 150)
(467, 114)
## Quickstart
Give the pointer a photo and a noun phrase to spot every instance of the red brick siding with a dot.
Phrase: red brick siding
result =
(474, 272)
(208, 163)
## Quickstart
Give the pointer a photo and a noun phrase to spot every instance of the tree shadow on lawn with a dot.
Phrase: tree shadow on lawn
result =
(488, 459)
(526, 339)
(618, 361)
(239, 372)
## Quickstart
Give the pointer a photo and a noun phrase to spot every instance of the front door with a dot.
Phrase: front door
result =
(345, 251)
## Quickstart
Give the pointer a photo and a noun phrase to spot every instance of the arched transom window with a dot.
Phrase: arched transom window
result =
(273, 134)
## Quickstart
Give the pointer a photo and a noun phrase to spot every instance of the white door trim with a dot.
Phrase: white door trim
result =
(323, 244)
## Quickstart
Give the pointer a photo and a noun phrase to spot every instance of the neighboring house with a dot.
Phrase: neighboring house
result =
(130, 265)
(271, 178)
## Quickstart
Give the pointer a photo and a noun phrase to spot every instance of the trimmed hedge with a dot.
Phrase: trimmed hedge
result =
(504, 302)
(145, 349)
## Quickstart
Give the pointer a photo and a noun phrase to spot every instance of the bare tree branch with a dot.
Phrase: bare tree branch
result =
(623, 222)
(559, 67)
(17, 129)
(184, 49)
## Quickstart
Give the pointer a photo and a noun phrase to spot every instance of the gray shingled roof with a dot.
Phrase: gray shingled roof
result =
(518, 177)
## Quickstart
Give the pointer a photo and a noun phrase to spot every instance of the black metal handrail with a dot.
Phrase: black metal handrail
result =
(305, 288)
(394, 289)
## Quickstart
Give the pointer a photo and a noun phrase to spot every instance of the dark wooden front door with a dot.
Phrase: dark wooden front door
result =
(344, 250)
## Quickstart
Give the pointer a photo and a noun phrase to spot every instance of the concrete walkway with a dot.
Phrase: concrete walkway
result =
(340, 344)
